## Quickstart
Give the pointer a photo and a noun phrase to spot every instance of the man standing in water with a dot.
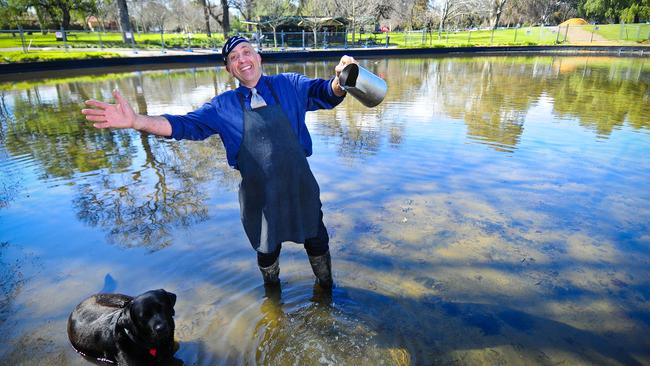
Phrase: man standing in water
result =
(262, 126)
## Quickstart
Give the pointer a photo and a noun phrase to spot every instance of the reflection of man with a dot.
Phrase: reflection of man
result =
(262, 126)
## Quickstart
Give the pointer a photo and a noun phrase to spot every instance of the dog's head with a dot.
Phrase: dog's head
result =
(148, 320)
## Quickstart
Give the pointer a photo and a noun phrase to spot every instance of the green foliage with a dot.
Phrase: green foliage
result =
(62, 10)
(639, 11)
(629, 11)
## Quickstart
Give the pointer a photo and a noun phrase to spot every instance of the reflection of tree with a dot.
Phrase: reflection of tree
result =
(492, 96)
(8, 182)
(141, 207)
(604, 99)
(358, 130)
(54, 135)
(138, 206)
(145, 186)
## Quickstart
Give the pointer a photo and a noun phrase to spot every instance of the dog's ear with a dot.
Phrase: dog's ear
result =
(172, 297)
(124, 320)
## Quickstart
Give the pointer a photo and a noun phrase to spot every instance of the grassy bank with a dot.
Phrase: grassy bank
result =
(109, 40)
(102, 42)
(525, 35)
(19, 56)
(626, 32)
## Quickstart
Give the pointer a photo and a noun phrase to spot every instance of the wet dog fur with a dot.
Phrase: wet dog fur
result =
(123, 329)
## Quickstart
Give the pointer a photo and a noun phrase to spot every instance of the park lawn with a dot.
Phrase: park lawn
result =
(627, 32)
(103, 39)
(75, 39)
(19, 56)
(512, 36)
(12, 40)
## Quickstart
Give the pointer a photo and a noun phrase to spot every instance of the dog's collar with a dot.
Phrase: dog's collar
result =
(152, 351)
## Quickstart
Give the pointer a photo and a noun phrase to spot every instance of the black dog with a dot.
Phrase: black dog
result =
(124, 329)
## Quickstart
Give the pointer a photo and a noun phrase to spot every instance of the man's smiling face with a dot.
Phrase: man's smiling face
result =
(245, 64)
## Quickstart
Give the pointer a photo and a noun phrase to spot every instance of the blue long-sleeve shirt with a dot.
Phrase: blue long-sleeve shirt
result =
(223, 115)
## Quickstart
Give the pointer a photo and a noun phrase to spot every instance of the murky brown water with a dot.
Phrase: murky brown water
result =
(492, 210)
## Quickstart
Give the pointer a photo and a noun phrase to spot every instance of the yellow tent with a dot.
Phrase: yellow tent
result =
(573, 21)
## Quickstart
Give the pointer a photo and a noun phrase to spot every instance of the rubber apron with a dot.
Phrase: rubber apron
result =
(279, 197)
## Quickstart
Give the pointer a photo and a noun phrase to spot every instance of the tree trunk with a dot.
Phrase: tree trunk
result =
(206, 15)
(275, 37)
(226, 18)
(497, 9)
(124, 19)
(41, 21)
(249, 14)
(65, 22)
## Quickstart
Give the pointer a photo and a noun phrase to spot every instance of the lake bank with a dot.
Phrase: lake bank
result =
(150, 59)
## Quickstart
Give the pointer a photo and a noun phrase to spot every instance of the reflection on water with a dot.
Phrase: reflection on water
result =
(490, 210)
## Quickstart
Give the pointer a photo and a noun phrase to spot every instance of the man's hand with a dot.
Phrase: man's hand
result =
(122, 115)
(336, 86)
(105, 115)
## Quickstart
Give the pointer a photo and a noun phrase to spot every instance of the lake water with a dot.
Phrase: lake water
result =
(492, 210)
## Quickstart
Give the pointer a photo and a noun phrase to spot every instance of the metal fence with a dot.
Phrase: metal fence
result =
(604, 33)
(30, 39)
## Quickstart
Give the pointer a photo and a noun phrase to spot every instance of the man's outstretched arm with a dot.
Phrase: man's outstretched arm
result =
(122, 115)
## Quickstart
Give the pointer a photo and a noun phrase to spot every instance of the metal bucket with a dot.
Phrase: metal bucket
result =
(365, 86)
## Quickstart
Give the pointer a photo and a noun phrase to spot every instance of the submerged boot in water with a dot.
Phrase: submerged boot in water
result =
(322, 267)
(271, 274)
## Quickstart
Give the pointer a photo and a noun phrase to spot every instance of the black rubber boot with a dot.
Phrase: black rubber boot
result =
(322, 267)
(321, 296)
(271, 274)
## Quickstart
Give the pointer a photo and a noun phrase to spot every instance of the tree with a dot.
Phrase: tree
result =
(615, 10)
(206, 16)
(450, 9)
(636, 12)
(60, 10)
(106, 11)
(278, 11)
(412, 13)
(381, 9)
(221, 14)
(125, 24)
(247, 8)
(12, 11)
(496, 10)
(154, 15)
(355, 10)
(314, 13)
(537, 10)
